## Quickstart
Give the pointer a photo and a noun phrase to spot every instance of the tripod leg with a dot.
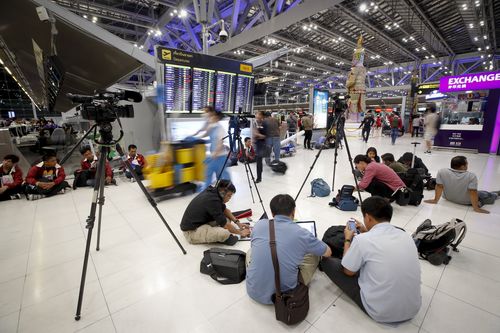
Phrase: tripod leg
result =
(248, 179)
(68, 154)
(349, 156)
(90, 226)
(100, 201)
(146, 193)
(335, 165)
(310, 170)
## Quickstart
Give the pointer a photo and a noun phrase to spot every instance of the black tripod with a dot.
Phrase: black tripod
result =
(337, 125)
(105, 130)
(236, 136)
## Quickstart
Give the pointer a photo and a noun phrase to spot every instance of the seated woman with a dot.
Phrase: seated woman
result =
(45, 179)
(372, 154)
(378, 178)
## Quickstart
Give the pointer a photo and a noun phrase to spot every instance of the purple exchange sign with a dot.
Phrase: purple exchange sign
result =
(476, 81)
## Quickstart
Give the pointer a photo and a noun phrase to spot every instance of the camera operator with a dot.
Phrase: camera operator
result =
(259, 137)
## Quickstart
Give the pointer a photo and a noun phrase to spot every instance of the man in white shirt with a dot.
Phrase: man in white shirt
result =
(380, 270)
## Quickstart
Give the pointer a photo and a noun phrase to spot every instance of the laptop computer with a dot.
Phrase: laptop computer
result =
(308, 225)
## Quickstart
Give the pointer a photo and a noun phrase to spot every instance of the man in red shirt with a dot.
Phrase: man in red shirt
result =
(247, 153)
(85, 176)
(137, 161)
(396, 124)
(45, 179)
(11, 178)
(378, 178)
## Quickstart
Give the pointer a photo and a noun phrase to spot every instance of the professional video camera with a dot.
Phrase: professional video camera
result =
(103, 106)
(239, 120)
(339, 104)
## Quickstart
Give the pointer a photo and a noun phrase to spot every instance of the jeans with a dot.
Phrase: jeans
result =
(415, 131)
(394, 135)
(214, 167)
(365, 133)
(348, 284)
(260, 150)
(486, 198)
(32, 189)
(275, 143)
(307, 138)
(11, 191)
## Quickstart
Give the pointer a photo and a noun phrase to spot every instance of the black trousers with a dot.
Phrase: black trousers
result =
(415, 131)
(307, 138)
(260, 151)
(365, 133)
(10, 191)
(379, 188)
(32, 189)
(138, 171)
(348, 284)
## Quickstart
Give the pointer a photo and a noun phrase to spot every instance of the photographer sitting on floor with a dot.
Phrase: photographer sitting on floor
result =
(298, 251)
(137, 161)
(387, 287)
(247, 153)
(207, 220)
(378, 178)
(11, 178)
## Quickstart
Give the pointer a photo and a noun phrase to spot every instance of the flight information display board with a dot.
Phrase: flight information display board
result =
(203, 88)
(225, 92)
(177, 88)
(244, 94)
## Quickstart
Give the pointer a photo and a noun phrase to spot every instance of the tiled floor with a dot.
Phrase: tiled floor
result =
(141, 282)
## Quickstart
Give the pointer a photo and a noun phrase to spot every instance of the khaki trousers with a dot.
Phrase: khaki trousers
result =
(306, 268)
(207, 233)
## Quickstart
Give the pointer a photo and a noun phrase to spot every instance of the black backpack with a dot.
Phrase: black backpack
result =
(334, 238)
(414, 181)
(278, 166)
(224, 265)
(433, 242)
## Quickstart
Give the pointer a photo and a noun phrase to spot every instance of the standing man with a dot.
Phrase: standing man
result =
(273, 140)
(307, 123)
(137, 161)
(380, 270)
(45, 179)
(291, 122)
(415, 126)
(396, 124)
(367, 124)
(297, 249)
(259, 137)
(431, 121)
(11, 178)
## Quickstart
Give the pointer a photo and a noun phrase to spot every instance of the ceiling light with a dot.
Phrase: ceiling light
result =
(481, 23)
(487, 47)
(183, 13)
(85, 16)
(423, 48)
(471, 25)
(485, 37)
(479, 49)
(476, 39)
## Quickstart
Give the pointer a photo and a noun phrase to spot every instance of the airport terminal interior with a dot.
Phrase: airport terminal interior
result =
(126, 125)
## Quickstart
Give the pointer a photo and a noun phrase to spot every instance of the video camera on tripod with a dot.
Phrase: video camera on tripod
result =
(340, 105)
(239, 120)
(103, 106)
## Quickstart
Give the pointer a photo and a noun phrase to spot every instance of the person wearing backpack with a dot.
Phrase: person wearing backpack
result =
(380, 269)
(395, 123)
(460, 186)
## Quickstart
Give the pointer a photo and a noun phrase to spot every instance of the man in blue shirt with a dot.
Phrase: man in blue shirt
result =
(297, 249)
(388, 285)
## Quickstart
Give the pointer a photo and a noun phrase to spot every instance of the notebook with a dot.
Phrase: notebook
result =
(308, 225)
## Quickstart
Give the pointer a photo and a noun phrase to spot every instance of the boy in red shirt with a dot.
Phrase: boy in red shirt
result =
(137, 161)
(45, 179)
(11, 178)
(85, 176)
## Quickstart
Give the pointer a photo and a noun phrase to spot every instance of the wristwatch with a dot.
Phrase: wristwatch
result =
(347, 241)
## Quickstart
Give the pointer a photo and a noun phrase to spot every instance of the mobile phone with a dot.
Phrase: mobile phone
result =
(352, 225)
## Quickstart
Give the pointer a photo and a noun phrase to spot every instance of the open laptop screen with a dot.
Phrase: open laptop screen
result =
(308, 225)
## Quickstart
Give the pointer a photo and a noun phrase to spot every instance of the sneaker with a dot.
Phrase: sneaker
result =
(132, 180)
(231, 240)
(61, 191)
(33, 197)
(16, 196)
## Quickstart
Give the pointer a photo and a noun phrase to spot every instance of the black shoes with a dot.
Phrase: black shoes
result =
(231, 240)
(258, 180)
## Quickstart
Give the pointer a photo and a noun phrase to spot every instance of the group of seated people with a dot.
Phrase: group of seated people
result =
(48, 178)
(379, 270)
(456, 183)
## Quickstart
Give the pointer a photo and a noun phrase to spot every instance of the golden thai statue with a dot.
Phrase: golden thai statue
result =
(356, 80)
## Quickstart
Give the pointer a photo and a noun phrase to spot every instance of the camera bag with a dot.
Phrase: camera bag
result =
(224, 265)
